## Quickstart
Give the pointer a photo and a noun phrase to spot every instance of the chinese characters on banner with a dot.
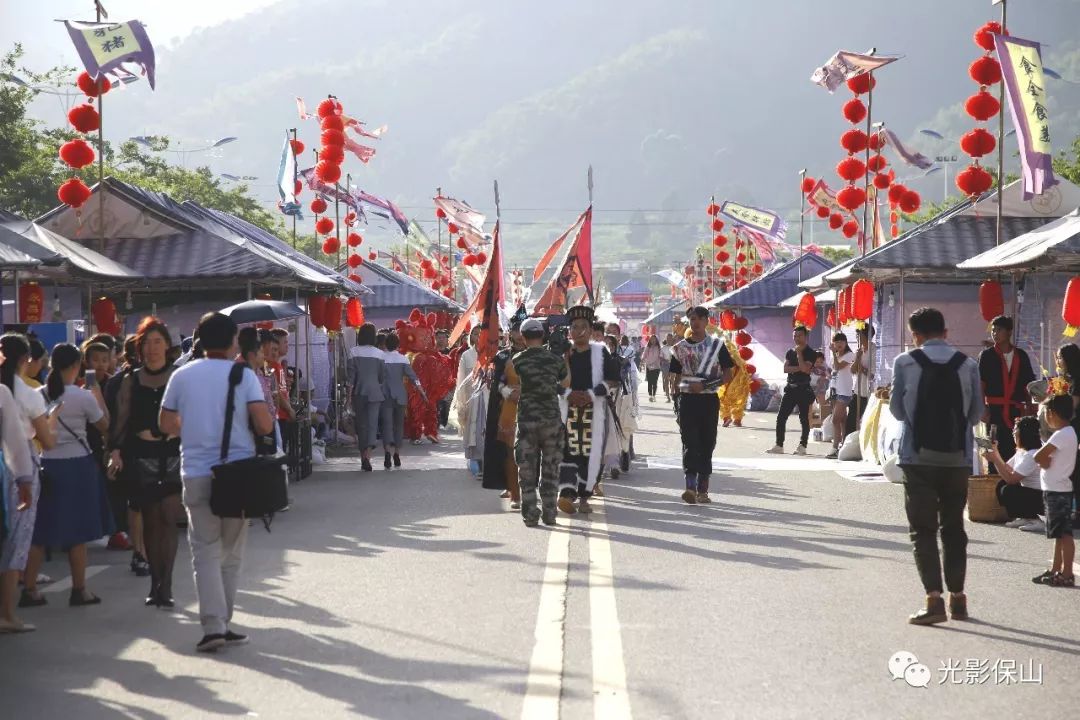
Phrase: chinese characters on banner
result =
(845, 65)
(1022, 72)
(764, 221)
(105, 47)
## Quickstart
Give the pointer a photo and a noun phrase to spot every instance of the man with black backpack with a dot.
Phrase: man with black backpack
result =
(937, 397)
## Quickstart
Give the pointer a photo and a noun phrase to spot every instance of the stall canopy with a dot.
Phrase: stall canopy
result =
(935, 248)
(6, 216)
(775, 286)
(170, 245)
(1054, 246)
(821, 297)
(27, 245)
(392, 289)
(668, 315)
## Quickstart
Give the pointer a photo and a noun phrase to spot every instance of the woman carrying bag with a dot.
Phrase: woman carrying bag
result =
(74, 510)
(151, 458)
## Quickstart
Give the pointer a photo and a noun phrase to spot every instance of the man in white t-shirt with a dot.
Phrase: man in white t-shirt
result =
(194, 408)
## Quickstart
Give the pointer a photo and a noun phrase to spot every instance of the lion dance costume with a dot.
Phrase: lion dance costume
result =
(734, 395)
(434, 369)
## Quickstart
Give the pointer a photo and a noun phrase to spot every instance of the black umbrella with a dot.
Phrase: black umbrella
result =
(257, 311)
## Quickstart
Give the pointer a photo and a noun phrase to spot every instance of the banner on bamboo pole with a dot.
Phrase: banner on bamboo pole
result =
(105, 48)
(1025, 84)
(764, 221)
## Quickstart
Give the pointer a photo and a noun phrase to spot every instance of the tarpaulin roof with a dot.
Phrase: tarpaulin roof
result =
(165, 242)
(391, 289)
(24, 244)
(631, 287)
(668, 314)
(821, 297)
(1054, 245)
(775, 286)
(6, 216)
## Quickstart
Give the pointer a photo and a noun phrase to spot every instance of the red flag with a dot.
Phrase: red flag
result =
(485, 305)
(576, 271)
(556, 248)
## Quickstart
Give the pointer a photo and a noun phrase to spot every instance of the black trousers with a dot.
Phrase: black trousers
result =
(1004, 437)
(856, 408)
(651, 378)
(699, 415)
(1020, 501)
(443, 407)
(934, 498)
(795, 396)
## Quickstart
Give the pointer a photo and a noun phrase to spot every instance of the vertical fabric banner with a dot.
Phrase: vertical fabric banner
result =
(105, 47)
(1025, 84)
(286, 181)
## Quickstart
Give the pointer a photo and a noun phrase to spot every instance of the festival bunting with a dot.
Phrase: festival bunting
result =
(1025, 84)
(362, 152)
(764, 221)
(911, 157)
(460, 213)
(105, 48)
(845, 65)
(392, 211)
(286, 181)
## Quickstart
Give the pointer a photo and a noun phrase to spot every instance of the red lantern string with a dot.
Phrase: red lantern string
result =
(984, 71)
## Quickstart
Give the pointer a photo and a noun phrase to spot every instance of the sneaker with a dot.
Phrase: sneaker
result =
(801, 450)
(615, 473)
(386, 463)
(210, 643)
(567, 506)
(703, 498)
(1045, 579)
(235, 638)
(624, 462)
(504, 495)
(689, 497)
(119, 541)
(1018, 523)
(932, 614)
(531, 520)
(598, 491)
(548, 517)
(397, 460)
(1034, 526)
(775, 450)
(831, 456)
(515, 505)
(584, 507)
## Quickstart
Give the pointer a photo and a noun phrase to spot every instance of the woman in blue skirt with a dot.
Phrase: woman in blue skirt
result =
(74, 508)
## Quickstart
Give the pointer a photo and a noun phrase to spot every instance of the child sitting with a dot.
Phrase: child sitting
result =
(1019, 490)
(1057, 458)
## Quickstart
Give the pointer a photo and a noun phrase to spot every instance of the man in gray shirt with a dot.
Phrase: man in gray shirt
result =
(937, 397)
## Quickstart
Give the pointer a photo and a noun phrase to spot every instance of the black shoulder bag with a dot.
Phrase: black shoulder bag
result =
(249, 488)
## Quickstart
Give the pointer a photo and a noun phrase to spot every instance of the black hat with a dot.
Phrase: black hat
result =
(580, 312)
(518, 317)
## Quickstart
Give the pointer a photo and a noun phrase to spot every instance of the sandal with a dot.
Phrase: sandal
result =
(82, 597)
(30, 599)
(1045, 579)
(1060, 580)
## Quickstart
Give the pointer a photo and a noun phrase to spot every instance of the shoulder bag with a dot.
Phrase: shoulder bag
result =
(249, 488)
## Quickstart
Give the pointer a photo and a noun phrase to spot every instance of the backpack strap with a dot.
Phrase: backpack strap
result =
(920, 357)
(236, 375)
(957, 360)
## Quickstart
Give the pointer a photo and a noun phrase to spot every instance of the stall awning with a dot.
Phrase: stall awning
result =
(824, 297)
(1054, 246)
(775, 286)
(668, 314)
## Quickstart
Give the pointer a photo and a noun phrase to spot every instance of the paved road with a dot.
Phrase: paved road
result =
(415, 594)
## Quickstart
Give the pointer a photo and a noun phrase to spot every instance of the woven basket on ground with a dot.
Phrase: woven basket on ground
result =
(983, 505)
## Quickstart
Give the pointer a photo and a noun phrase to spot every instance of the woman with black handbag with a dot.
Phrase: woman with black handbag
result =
(75, 510)
(151, 458)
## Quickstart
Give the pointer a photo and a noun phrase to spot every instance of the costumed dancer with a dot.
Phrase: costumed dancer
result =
(701, 364)
(434, 370)
(500, 468)
(590, 420)
(470, 403)
(1005, 371)
(734, 394)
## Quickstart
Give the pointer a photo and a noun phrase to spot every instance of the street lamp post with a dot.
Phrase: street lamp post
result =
(147, 141)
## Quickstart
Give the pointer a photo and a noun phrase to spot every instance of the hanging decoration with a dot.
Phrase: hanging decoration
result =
(861, 299)
(332, 317)
(991, 300)
(317, 310)
(103, 311)
(805, 314)
(31, 303)
(354, 312)
(974, 180)
(1070, 307)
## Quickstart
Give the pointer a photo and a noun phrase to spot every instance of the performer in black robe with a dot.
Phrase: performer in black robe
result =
(500, 469)
(1005, 371)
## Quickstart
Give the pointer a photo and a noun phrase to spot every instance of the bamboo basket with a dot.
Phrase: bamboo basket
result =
(983, 505)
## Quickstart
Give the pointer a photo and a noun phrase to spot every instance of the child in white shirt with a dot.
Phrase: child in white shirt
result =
(1057, 458)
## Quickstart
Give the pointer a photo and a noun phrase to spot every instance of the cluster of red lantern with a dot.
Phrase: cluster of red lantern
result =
(724, 271)
(986, 71)
(851, 169)
(77, 153)
(328, 170)
(517, 283)
(325, 312)
(737, 324)
(854, 303)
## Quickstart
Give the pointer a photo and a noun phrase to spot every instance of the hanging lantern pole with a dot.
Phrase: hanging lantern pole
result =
(349, 250)
(1001, 137)
(866, 159)
(99, 11)
(438, 223)
(296, 170)
(802, 218)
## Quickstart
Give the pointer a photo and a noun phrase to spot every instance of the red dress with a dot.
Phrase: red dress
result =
(436, 374)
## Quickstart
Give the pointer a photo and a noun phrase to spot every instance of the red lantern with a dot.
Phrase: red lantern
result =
(74, 193)
(851, 197)
(854, 141)
(333, 315)
(896, 193)
(318, 206)
(356, 278)
(462, 244)
(843, 312)
(854, 111)
(91, 88)
(354, 240)
(862, 300)
(744, 271)
(297, 147)
(877, 163)
(317, 310)
(717, 225)
(481, 258)
(354, 313)
(894, 231)
(84, 118)
(332, 154)
(861, 84)
(726, 271)
(830, 317)
(851, 169)
(751, 370)
(332, 138)
(806, 312)
(331, 245)
(719, 240)
(355, 261)
(742, 338)
(877, 141)
(329, 107)
(1070, 308)
(332, 122)
(985, 71)
(823, 212)
(984, 36)
(328, 172)
(808, 184)
(298, 187)
(713, 209)
(722, 256)
(746, 353)
(755, 385)
(324, 226)
(469, 260)
(973, 180)
(836, 221)
(741, 322)
(373, 256)
(757, 269)
(882, 182)
(77, 153)
(982, 106)
(991, 300)
(440, 213)
(741, 257)
(727, 320)
(850, 229)
(31, 303)
(911, 202)
(978, 143)
(104, 312)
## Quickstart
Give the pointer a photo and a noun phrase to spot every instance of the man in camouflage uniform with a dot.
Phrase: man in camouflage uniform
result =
(538, 378)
